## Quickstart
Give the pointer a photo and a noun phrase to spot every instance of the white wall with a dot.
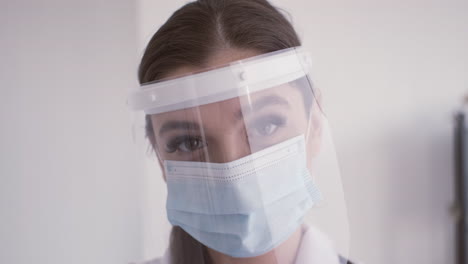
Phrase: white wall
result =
(392, 74)
(69, 183)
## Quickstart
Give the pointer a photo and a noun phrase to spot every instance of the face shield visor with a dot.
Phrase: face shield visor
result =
(248, 160)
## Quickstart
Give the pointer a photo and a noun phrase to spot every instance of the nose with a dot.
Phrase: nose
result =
(230, 147)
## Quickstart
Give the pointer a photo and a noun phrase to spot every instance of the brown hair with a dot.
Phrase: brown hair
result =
(190, 37)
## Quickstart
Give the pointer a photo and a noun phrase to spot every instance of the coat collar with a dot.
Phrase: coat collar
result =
(315, 247)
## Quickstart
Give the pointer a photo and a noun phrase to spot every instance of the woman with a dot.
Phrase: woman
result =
(236, 127)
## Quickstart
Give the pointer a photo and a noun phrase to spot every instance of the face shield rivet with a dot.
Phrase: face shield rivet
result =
(242, 76)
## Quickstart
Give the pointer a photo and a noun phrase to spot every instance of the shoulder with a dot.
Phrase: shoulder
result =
(153, 261)
(317, 247)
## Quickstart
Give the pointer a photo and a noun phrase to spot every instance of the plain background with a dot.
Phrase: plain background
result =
(392, 73)
(69, 189)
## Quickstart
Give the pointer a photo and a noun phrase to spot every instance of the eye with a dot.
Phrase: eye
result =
(185, 144)
(268, 125)
(268, 129)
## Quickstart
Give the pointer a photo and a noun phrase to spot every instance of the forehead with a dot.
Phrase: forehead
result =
(218, 58)
(227, 111)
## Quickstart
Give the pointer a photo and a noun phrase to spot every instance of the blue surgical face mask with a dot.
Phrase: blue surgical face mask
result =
(243, 208)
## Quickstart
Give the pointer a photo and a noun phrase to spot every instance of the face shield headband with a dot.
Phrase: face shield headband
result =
(236, 79)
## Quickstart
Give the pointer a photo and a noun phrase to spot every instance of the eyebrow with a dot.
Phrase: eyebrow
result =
(255, 106)
(175, 125)
(262, 103)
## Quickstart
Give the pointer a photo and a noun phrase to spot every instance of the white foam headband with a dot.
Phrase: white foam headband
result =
(233, 80)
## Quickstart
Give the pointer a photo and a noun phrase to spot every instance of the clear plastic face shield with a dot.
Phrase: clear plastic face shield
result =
(248, 160)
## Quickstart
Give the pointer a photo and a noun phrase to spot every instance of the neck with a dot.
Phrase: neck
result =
(285, 253)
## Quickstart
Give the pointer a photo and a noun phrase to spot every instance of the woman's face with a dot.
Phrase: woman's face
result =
(228, 130)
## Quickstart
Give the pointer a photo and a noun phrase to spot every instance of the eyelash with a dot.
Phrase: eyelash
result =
(276, 120)
(174, 144)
